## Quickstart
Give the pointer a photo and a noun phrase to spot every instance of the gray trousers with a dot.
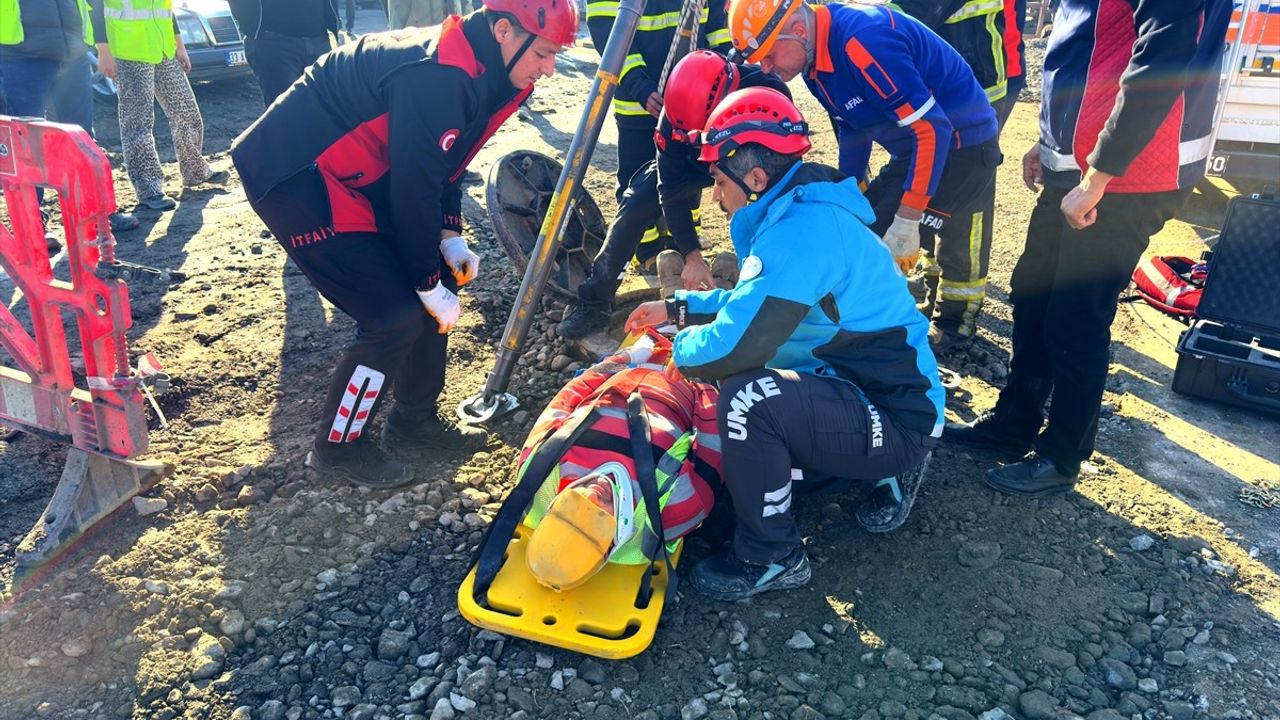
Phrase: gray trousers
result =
(140, 85)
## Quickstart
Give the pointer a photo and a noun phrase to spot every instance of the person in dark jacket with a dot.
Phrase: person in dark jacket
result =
(637, 102)
(45, 66)
(822, 358)
(283, 37)
(669, 187)
(1125, 132)
(356, 170)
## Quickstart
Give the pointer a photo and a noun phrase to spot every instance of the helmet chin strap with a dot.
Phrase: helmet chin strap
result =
(520, 53)
(752, 195)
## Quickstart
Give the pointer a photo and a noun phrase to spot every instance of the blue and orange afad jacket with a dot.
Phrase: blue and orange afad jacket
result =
(1130, 88)
(818, 294)
(388, 123)
(886, 78)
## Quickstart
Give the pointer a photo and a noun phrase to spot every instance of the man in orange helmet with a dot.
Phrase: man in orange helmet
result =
(824, 367)
(356, 170)
(888, 79)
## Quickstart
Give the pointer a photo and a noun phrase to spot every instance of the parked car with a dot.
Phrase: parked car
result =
(212, 39)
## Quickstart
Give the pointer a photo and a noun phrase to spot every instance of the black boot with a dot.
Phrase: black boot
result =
(1033, 476)
(583, 319)
(428, 430)
(891, 499)
(725, 577)
(361, 462)
(989, 432)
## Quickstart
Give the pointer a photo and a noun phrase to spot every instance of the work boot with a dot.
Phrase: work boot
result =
(122, 221)
(726, 578)
(160, 202)
(582, 319)
(403, 432)
(944, 341)
(891, 499)
(724, 269)
(989, 432)
(1033, 476)
(52, 242)
(670, 266)
(216, 177)
(361, 462)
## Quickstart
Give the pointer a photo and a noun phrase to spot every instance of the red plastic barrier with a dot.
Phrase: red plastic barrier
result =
(40, 394)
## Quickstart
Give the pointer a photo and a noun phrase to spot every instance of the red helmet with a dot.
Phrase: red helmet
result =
(696, 85)
(754, 115)
(554, 20)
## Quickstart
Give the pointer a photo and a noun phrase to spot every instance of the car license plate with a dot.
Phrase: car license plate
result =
(235, 57)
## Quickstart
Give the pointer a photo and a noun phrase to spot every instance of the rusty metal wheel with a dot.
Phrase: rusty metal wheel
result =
(518, 195)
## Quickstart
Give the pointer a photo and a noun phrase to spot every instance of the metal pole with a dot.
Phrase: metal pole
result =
(494, 400)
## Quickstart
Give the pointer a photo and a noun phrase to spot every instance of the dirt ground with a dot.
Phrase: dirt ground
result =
(263, 592)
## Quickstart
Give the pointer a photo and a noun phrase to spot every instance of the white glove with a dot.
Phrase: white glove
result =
(903, 238)
(442, 305)
(464, 263)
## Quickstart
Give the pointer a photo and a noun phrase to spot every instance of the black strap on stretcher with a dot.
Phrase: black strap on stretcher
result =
(647, 476)
(491, 553)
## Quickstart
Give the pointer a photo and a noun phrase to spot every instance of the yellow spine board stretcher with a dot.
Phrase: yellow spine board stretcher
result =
(601, 617)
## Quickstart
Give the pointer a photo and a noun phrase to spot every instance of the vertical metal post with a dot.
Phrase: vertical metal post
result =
(494, 400)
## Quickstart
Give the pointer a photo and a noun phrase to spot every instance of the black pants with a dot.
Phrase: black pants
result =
(955, 228)
(1064, 292)
(776, 427)
(1004, 106)
(397, 342)
(639, 211)
(277, 60)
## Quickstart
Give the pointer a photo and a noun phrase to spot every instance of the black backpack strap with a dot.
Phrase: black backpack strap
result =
(491, 553)
(647, 477)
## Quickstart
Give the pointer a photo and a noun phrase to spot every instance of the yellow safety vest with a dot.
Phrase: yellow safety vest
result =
(140, 30)
(11, 22)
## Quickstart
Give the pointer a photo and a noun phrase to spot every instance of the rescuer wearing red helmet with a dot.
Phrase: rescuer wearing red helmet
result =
(668, 187)
(637, 102)
(822, 358)
(356, 170)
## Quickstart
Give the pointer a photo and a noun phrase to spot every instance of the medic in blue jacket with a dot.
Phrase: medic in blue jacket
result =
(822, 358)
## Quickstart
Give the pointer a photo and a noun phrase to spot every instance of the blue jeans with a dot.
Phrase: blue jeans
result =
(34, 85)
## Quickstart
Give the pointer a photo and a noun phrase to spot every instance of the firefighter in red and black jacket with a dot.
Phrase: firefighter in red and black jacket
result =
(356, 171)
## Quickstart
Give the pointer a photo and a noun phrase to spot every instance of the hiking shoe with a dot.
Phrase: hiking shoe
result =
(1033, 476)
(217, 177)
(891, 499)
(944, 341)
(401, 433)
(362, 463)
(724, 269)
(158, 202)
(990, 433)
(726, 578)
(122, 221)
(670, 266)
(583, 319)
